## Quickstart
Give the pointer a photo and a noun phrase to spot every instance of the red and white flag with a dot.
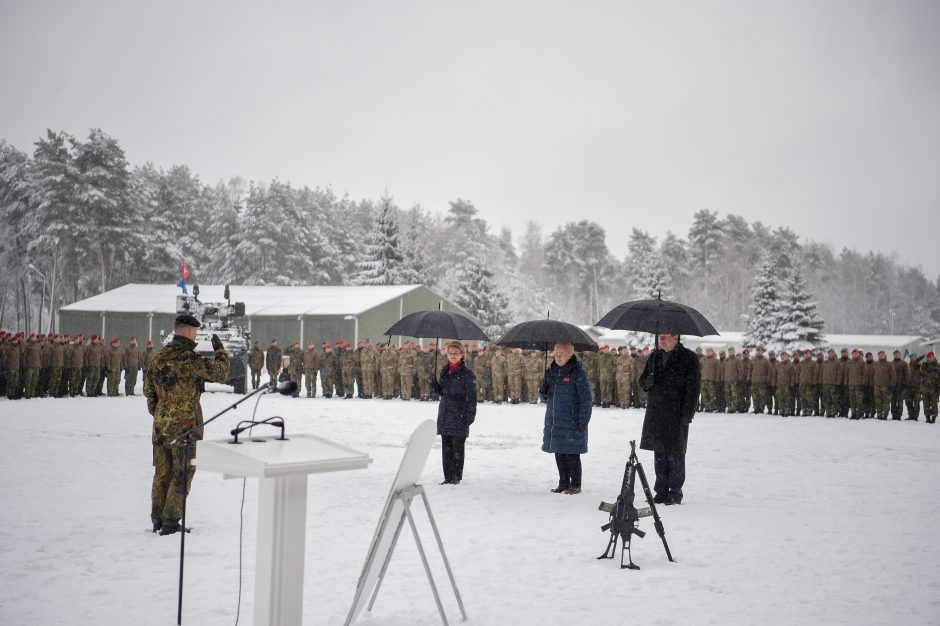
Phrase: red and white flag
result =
(185, 270)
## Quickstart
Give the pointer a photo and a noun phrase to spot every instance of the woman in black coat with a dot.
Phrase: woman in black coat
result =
(672, 379)
(567, 395)
(458, 408)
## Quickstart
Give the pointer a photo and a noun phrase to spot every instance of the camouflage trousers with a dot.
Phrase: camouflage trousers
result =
(272, 381)
(255, 378)
(897, 402)
(623, 393)
(912, 399)
(784, 400)
(166, 498)
(368, 382)
(130, 381)
(388, 383)
(92, 377)
(829, 396)
(844, 402)
(114, 382)
(731, 397)
(761, 393)
(424, 385)
(807, 399)
(310, 379)
(13, 383)
(327, 382)
(483, 388)
(55, 382)
(349, 385)
(607, 391)
(882, 401)
(407, 383)
(532, 389)
(709, 393)
(930, 405)
(499, 387)
(857, 401)
(297, 377)
(31, 382)
(515, 386)
(75, 381)
(742, 392)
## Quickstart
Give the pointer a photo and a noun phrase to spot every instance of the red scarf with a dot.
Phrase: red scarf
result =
(452, 367)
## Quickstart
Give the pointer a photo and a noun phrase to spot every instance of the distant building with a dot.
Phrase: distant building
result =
(318, 313)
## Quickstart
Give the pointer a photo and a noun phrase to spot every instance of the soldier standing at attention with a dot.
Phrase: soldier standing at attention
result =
(884, 379)
(256, 364)
(149, 353)
(606, 372)
(868, 387)
(533, 374)
(32, 362)
(831, 374)
(425, 370)
(328, 370)
(786, 374)
(175, 381)
(114, 360)
(11, 366)
(731, 376)
(368, 365)
(514, 366)
(930, 387)
(57, 368)
(639, 364)
(912, 391)
(75, 361)
(273, 362)
(843, 406)
(855, 382)
(481, 367)
(388, 369)
(806, 382)
(92, 366)
(760, 381)
(498, 374)
(902, 372)
(407, 364)
(132, 363)
(295, 367)
(348, 364)
(311, 365)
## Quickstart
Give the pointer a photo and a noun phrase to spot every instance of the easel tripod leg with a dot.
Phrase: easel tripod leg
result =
(440, 545)
(424, 560)
(388, 558)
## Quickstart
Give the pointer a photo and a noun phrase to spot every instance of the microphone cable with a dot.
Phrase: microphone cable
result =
(241, 521)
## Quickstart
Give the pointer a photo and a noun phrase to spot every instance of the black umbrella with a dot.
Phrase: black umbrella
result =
(544, 334)
(657, 316)
(437, 325)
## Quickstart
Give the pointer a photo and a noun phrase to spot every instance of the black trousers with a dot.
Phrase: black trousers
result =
(670, 474)
(569, 470)
(452, 455)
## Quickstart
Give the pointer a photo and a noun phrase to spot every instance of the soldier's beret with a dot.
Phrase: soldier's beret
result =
(930, 355)
(185, 319)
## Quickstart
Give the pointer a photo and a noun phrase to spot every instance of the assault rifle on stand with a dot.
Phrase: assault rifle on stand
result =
(625, 517)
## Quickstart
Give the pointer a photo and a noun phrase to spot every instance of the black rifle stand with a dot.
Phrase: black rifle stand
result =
(625, 517)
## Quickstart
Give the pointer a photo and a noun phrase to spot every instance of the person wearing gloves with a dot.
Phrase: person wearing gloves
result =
(567, 395)
(671, 379)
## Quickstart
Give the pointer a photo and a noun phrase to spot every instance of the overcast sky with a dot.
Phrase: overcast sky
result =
(822, 115)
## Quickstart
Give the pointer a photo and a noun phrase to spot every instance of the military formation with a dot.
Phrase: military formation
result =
(52, 365)
(856, 385)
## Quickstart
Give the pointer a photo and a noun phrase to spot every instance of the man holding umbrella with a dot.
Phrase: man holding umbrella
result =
(672, 380)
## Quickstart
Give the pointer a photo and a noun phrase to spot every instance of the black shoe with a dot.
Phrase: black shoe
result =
(660, 498)
(446, 482)
(559, 489)
(157, 526)
(172, 528)
(673, 500)
(456, 481)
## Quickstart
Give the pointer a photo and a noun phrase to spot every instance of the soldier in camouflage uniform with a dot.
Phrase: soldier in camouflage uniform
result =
(760, 381)
(31, 363)
(388, 369)
(883, 379)
(532, 370)
(133, 359)
(114, 359)
(311, 359)
(806, 380)
(710, 381)
(45, 360)
(75, 361)
(855, 382)
(902, 372)
(930, 387)
(785, 375)
(349, 365)
(912, 390)
(11, 366)
(57, 367)
(730, 378)
(639, 364)
(498, 375)
(606, 371)
(174, 383)
(368, 365)
(831, 373)
(256, 364)
(843, 389)
(93, 352)
(273, 362)
(483, 374)
(515, 363)
(817, 387)
(868, 388)
(424, 369)
(772, 381)
(623, 376)
(4, 346)
(149, 353)
(328, 370)
(744, 385)
(104, 365)
(295, 366)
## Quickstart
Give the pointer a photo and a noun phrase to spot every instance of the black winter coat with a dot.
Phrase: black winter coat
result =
(458, 407)
(672, 400)
(567, 394)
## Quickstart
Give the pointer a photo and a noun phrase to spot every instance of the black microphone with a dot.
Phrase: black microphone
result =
(285, 388)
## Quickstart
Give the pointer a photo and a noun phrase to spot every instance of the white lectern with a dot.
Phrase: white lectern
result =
(281, 467)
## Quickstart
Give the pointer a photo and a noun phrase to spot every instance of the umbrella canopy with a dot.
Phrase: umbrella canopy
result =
(657, 316)
(437, 324)
(544, 334)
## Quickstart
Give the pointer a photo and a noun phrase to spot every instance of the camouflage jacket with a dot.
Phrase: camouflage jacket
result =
(174, 383)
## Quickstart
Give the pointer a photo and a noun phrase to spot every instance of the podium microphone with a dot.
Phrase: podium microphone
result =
(285, 388)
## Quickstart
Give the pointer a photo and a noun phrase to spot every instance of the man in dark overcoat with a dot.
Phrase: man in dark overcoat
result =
(672, 380)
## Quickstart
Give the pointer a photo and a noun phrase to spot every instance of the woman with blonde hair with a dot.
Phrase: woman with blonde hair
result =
(457, 388)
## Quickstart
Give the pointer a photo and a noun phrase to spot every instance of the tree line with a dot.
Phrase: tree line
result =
(78, 219)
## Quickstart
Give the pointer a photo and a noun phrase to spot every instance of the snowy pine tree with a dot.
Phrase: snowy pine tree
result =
(478, 295)
(382, 262)
(800, 325)
(764, 317)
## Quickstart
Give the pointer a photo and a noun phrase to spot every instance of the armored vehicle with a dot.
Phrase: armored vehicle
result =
(219, 318)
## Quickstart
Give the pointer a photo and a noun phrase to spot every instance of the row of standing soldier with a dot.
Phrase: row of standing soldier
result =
(857, 386)
(58, 365)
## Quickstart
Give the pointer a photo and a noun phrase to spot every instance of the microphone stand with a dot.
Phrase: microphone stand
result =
(185, 440)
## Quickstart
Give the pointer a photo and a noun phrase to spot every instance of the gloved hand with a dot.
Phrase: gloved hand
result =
(647, 383)
(217, 343)
(582, 427)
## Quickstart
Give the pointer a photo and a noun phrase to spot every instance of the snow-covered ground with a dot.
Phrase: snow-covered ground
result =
(785, 521)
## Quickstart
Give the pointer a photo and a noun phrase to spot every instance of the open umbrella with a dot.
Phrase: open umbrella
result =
(544, 334)
(657, 316)
(437, 325)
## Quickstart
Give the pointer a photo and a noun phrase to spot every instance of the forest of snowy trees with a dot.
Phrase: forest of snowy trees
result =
(77, 219)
